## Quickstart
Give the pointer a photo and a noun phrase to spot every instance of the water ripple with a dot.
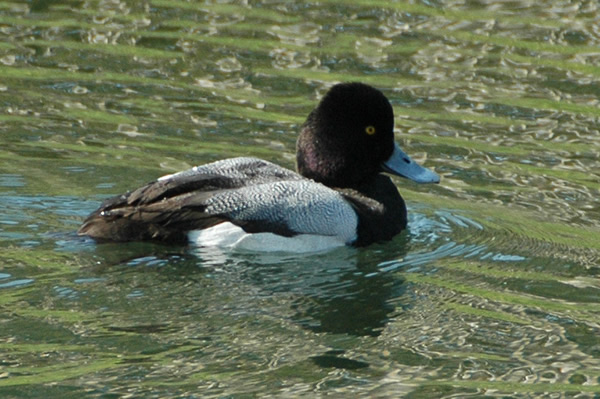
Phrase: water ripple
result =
(17, 283)
(494, 284)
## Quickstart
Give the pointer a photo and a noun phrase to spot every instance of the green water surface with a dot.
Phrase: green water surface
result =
(493, 292)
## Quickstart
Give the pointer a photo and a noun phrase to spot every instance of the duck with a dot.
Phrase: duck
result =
(341, 193)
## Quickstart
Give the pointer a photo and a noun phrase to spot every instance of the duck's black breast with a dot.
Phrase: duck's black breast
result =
(380, 208)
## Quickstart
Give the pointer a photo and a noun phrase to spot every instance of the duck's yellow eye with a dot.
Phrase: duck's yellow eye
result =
(370, 130)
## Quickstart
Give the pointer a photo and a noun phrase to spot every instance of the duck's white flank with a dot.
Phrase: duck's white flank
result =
(228, 235)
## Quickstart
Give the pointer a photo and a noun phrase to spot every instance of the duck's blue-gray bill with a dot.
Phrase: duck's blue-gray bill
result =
(400, 164)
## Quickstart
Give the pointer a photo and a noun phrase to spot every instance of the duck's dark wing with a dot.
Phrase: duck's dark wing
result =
(153, 212)
(254, 194)
(221, 175)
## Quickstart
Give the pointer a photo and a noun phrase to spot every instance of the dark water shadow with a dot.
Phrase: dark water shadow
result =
(360, 302)
(343, 291)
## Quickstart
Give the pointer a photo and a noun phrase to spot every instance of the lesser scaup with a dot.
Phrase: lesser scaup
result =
(338, 194)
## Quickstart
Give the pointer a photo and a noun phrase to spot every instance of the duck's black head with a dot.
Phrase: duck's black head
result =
(349, 138)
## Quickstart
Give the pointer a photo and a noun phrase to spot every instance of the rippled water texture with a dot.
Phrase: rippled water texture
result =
(493, 292)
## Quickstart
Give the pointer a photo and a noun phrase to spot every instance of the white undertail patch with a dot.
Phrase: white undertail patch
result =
(228, 235)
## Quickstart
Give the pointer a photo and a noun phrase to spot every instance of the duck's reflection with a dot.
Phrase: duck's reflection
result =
(342, 291)
(359, 306)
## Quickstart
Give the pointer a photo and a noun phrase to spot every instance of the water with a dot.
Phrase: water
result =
(493, 292)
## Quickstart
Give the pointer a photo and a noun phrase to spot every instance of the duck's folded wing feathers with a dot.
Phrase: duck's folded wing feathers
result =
(219, 175)
(166, 211)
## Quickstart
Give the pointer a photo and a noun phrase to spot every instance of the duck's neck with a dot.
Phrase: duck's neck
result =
(383, 190)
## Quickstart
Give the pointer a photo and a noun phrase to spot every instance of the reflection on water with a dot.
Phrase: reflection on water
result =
(494, 290)
(340, 291)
